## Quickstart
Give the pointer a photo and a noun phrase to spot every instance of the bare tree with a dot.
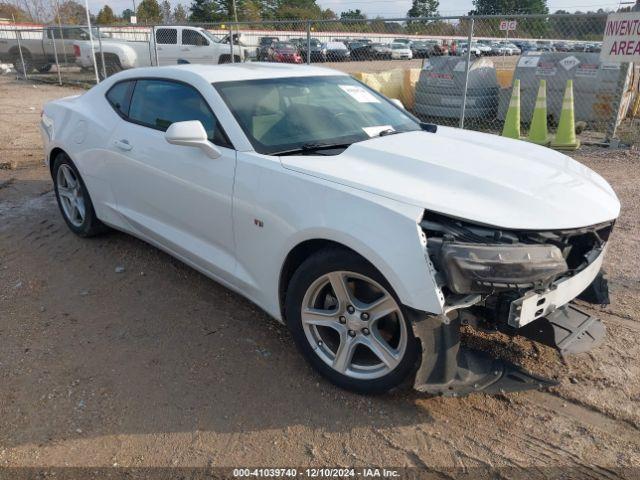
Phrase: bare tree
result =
(37, 11)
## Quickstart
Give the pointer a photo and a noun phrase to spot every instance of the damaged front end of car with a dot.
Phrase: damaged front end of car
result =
(518, 282)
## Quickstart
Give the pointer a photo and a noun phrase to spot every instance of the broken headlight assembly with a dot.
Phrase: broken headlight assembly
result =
(472, 258)
(518, 282)
(472, 268)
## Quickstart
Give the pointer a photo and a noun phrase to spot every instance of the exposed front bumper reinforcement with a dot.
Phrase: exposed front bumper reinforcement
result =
(451, 370)
(568, 329)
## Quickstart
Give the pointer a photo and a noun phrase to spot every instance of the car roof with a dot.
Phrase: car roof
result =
(231, 71)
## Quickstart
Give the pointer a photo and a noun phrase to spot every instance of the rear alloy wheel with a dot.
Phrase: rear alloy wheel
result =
(349, 324)
(71, 196)
(73, 199)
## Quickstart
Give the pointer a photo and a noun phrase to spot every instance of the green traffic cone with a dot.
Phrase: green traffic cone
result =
(566, 134)
(511, 127)
(538, 132)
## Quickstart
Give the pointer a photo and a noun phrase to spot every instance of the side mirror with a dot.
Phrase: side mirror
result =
(191, 134)
(397, 102)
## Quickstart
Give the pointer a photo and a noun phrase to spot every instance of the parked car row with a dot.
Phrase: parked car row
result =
(342, 49)
(184, 44)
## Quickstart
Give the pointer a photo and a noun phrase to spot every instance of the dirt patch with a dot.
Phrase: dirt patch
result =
(156, 365)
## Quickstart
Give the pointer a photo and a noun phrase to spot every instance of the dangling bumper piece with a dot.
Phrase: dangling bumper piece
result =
(450, 370)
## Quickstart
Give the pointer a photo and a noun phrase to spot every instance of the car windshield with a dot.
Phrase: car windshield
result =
(285, 114)
(284, 46)
(398, 46)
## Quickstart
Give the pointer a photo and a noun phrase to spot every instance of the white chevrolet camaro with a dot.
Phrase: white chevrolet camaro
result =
(373, 236)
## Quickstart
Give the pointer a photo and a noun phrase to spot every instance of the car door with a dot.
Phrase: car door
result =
(175, 196)
(195, 47)
(167, 45)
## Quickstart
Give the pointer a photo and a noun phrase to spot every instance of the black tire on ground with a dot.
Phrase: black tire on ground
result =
(91, 225)
(44, 68)
(339, 259)
(227, 59)
(111, 65)
(17, 62)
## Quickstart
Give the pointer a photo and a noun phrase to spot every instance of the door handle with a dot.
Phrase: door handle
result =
(184, 49)
(123, 145)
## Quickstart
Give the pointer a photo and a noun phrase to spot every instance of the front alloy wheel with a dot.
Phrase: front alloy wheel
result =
(348, 323)
(354, 324)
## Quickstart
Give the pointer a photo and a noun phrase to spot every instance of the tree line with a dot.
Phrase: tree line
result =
(353, 20)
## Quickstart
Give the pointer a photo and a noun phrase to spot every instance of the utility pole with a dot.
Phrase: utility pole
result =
(235, 13)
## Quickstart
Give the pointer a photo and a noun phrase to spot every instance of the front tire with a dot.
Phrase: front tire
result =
(74, 200)
(349, 324)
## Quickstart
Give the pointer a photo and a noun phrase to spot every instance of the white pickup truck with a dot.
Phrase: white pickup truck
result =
(41, 46)
(174, 44)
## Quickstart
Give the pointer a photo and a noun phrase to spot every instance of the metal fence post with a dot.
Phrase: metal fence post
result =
(154, 39)
(308, 42)
(613, 124)
(149, 46)
(104, 68)
(24, 67)
(93, 51)
(55, 56)
(463, 104)
(64, 45)
(18, 36)
(233, 60)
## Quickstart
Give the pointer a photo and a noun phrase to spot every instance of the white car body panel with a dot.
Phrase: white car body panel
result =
(236, 218)
(471, 175)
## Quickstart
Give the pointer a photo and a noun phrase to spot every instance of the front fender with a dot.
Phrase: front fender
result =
(276, 209)
(404, 262)
(127, 55)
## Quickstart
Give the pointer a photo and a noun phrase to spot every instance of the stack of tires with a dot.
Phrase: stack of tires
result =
(440, 89)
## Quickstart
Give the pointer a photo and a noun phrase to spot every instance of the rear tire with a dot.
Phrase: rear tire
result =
(17, 62)
(356, 334)
(111, 65)
(74, 200)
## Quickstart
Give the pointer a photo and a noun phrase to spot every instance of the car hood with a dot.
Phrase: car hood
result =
(475, 176)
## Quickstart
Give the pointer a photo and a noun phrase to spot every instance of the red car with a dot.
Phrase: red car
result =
(284, 52)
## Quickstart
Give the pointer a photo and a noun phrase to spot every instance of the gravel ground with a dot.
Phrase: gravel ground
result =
(160, 366)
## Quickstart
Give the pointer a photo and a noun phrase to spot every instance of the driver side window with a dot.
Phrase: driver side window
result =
(191, 37)
(159, 103)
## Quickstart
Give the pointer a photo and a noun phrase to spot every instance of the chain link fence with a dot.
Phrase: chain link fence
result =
(456, 71)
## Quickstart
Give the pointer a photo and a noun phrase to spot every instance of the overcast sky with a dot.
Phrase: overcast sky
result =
(390, 8)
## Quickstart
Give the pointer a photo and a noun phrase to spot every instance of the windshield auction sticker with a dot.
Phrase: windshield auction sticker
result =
(359, 94)
(375, 131)
(621, 38)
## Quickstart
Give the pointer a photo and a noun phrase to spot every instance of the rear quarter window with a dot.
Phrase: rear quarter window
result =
(119, 96)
